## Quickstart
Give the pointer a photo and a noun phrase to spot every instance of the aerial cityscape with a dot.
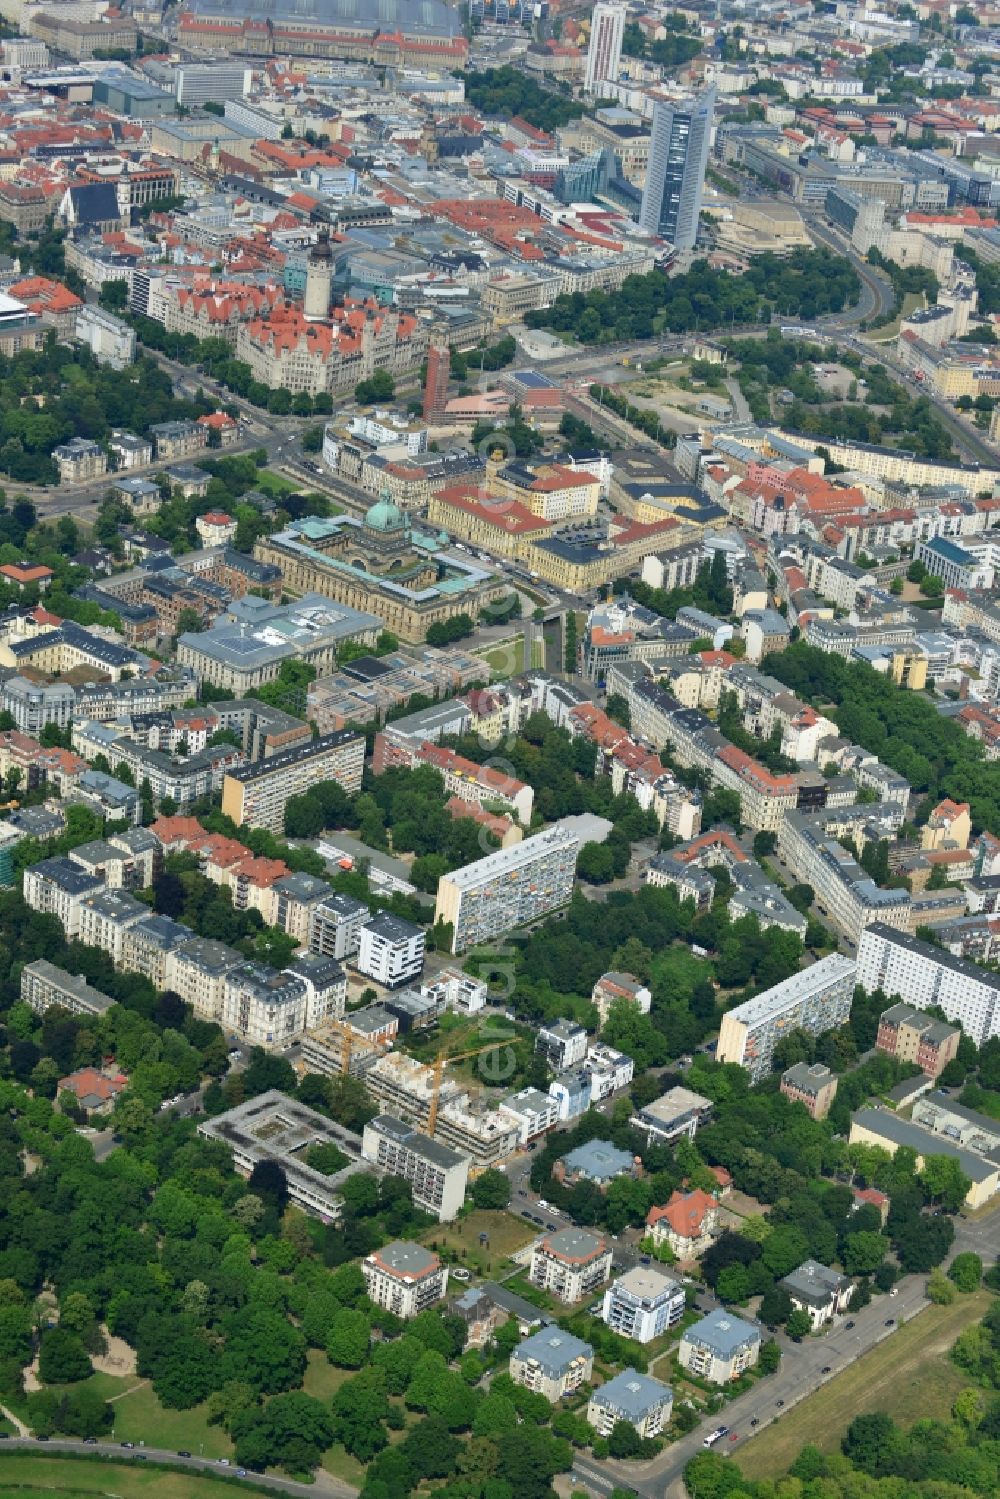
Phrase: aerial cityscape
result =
(500, 749)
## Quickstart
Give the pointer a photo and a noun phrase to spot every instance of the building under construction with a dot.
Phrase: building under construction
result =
(406, 1089)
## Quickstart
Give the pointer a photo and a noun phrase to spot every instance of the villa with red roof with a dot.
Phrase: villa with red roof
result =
(689, 1223)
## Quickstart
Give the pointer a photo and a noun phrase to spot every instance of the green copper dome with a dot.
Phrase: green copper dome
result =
(384, 516)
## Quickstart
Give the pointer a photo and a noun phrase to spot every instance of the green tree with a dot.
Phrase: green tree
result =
(966, 1271)
(348, 1339)
(62, 1358)
(798, 1325)
(491, 1190)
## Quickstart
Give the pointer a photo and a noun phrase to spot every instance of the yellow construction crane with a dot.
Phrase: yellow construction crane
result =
(439, 1064)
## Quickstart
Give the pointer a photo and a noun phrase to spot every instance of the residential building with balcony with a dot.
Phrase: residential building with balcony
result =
(391, 950)
(720, 1347)
(436, 1173)
(570, 1263)
(43, 984)
(552, 1363)
(404, 1278)
(643, 1303)
(507, 888)
(644, 1403)
(335, 925)
(815, 1000)
(258, 794)
(897, 963)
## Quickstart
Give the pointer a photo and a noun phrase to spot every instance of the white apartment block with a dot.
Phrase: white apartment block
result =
(531, 1112)
(815, 1000)
(437, 1174)
(508, 888)
(335, 926)
(404, 1278)
(924, 975)
(391, 950)
(571, 1264)
(643, 1304)
(43, 984)
(258, 793)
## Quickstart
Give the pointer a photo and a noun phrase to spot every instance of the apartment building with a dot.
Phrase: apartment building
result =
(391, 950)
(59, 887)
(43, 984)
(677, 1114)
(612, 987)
(270, 1009)
(335, 925)
(32, 705)
(642, 1402)
(471, 782)
(720, 1347)
(897, 963)
(809, 845)
(147, 946)
(106, 917)
(812, 1085)
(79, 459)
(258, 794)
(552, 1363)
(815, 1000)
(643, 1303)
(294, 900)
(437, 1174)
(178, 440)
(508, 888)
(404, 1278)
(570, 1263)
(911, 1035)
(197, 973)
(563, 1043)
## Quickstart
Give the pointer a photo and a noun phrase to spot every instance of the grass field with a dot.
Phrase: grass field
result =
(506, 660)
(139, 1416)
(322, 1380)
(25, 1473)
(911, 301)
(506, 1232)
(909, 1376)
(276, 484)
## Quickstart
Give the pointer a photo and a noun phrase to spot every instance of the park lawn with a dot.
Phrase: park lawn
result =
(911, 301)
(507, 1234)
(26, 1472)
(276, 484)
(909, 1377)
(506, 660)
(537, 654)
(322, 1380)
(139, 1417)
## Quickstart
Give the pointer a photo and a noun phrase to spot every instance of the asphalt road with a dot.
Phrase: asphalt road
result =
(324, 1483)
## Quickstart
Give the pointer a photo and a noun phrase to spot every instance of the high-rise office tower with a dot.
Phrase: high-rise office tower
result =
(438, 372)
(675, 176)
(607, 28)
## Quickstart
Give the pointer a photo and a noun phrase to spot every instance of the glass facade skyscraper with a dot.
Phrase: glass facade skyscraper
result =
(675, 176)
